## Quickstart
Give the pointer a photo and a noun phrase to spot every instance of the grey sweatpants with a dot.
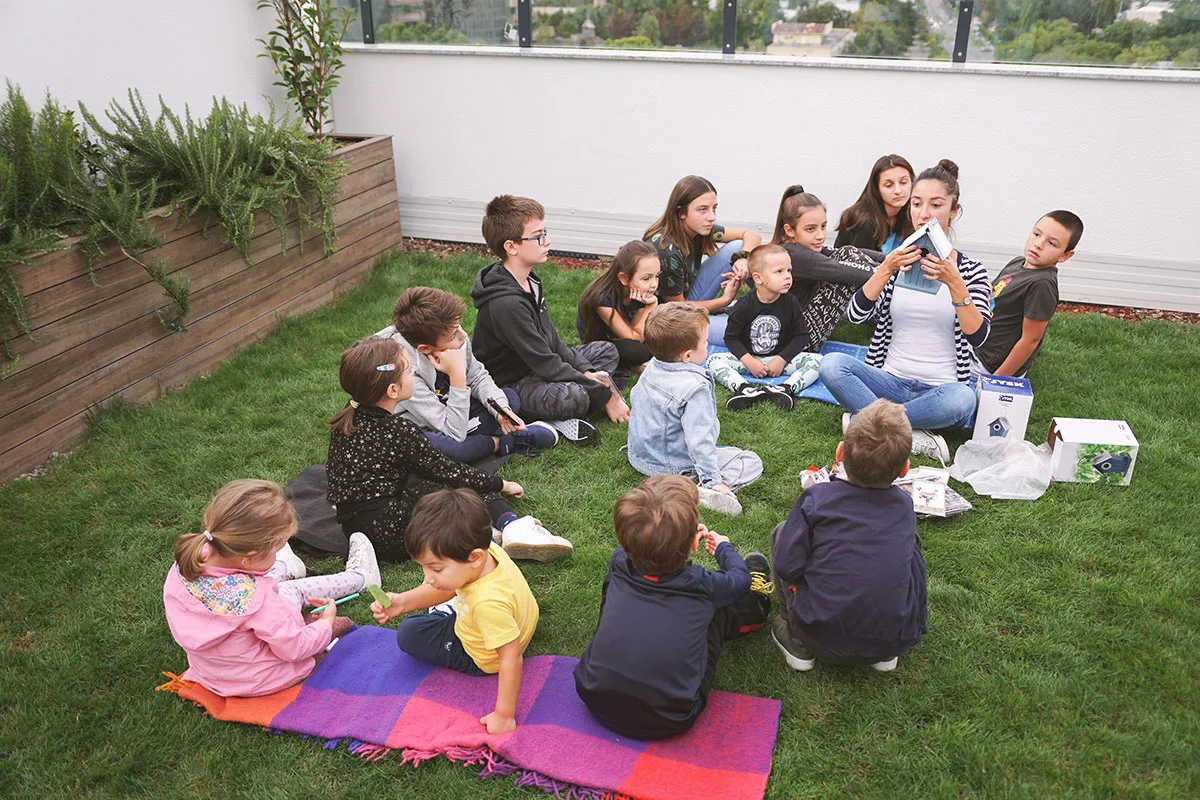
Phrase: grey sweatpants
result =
(567, 400)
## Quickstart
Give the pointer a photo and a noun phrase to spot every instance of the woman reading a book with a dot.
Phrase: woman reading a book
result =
(879, 218)
(920, 353)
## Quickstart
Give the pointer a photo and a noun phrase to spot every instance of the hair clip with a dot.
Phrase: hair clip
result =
(207, 535)
(386, 368)
(354, 404)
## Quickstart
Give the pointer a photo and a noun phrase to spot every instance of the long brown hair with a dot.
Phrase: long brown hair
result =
(360, 378)
(869, 208)
(245, 518)
(795, 202)
(671, 224)
(625, 263)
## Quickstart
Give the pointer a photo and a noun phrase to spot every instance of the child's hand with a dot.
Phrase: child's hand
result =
(384, 615)
(643, 296)
(507, 425)
(900, 260)
(723, 489)
(712, 541)
(756, 367)
(775, 366)
(451, 362)
(512, 490)
(330, 612)
(730, 287)
(497, 723)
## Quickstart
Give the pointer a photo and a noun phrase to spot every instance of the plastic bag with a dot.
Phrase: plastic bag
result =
(1004, 469)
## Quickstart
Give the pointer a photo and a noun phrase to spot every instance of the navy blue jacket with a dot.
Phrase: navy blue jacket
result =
(853, 555)
(650, 650)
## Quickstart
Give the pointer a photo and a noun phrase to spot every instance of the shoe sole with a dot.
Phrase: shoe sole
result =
(584, 436)
(798, 664)
(740, 402)
(538, 552)
(719, 501)
(781, 400)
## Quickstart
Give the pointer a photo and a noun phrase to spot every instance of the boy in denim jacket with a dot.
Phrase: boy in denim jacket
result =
(673, 426)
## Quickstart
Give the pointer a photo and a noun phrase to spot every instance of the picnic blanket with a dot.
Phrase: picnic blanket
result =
(817, 391)
(377, 699)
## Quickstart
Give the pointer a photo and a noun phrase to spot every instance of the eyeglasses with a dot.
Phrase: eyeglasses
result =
(542, 239)
(386, 368)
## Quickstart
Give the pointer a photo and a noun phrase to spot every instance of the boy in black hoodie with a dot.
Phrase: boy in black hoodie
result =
(517, 342)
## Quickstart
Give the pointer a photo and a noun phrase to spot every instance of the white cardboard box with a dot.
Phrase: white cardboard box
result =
(1003, 410)
(1092, 451)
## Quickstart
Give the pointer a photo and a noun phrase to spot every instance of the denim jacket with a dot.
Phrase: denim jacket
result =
(673, 426)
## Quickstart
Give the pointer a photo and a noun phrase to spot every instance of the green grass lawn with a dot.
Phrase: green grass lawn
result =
(1061, 660)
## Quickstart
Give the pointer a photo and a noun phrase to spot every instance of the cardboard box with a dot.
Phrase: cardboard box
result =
(1003, 409)
(1092, 451)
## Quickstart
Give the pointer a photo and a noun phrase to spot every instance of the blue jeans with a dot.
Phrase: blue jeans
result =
(857, 385)
(479, 443)
(707, 285)
(431, 638)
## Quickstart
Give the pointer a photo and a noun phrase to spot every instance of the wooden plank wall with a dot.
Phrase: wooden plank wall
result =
(93, 343)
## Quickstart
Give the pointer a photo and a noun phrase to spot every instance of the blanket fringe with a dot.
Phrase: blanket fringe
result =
(174, 685)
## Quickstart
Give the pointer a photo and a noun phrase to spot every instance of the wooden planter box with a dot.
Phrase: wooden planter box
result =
(91, 344)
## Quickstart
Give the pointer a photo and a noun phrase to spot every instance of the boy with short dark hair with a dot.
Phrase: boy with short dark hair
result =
(454, 400)
(847, 563)
(492, 616)
(1025, 295)
(767, 337)
(673, 428)
(518, 343)
(650, 665)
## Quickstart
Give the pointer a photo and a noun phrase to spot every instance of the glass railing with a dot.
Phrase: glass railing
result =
(1162, 34)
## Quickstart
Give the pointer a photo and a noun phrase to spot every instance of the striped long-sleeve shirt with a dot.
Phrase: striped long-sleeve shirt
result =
(861, 309)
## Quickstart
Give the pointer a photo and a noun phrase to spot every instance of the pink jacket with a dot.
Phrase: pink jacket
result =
(253, 643)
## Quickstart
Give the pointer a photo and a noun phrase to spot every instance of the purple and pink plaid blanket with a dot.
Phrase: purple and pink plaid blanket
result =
(377, 699)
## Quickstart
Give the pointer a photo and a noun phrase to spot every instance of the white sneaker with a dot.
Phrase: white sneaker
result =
(579, 431)
(886, 666)
(846, 422)
(295, 566)
(527, 538)
(446, 608)
(497, 536)
(362, 559)
(719, 501)
(930, 445)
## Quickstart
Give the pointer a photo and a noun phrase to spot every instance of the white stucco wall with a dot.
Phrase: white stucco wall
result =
(601, 138)
(91, 52)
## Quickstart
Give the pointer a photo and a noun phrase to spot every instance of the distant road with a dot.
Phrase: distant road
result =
(944, 23)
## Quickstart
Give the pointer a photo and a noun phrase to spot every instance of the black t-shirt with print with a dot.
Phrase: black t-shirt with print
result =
(679, 271)
(765, 330)
(1017, 293)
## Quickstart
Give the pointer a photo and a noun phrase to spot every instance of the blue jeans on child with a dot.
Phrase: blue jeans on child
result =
(707, 285)
(856, 385)
(479, 443)
(431, 638)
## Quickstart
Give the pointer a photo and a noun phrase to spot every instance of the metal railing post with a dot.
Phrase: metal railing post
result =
(525, 23)
(962, 34)
(367, 15)
(729, 27)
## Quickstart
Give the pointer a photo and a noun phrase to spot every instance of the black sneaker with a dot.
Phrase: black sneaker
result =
(745, 397)
(795, 654)
(760, 580)
(780, 396)
(579, 431)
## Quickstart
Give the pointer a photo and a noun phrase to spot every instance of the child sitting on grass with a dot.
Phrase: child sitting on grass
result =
(650, 665)
(454, 399)
(380, 464)
(613, 307)
(673, 427)
(483, 614)
(847, 562)
(233, 596)
(767, 337)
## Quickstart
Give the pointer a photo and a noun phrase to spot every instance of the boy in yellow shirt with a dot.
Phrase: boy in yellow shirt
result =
(483, 614)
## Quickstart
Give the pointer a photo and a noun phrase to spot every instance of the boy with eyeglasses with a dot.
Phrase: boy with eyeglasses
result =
(517, 342)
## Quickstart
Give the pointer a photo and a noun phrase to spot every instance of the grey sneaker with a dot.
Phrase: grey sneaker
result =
(719, 501)
(795, 654)
(930, 445)
(579, 431)
(362, 559)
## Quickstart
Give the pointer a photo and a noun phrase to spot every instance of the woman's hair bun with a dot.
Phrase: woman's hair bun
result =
(949, 166)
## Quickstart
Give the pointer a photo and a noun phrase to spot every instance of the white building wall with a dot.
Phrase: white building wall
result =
(92, 52)
(600, 138)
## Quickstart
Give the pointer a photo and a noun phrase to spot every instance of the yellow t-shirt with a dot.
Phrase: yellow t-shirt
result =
(495, 610)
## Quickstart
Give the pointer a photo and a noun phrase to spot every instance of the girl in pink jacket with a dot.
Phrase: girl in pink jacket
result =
(234, 594)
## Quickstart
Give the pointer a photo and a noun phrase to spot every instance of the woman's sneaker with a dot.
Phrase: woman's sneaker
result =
(930, 445)
(886, 666)
(746, 396)
(795, 654)
(527, 538)
(719, 501)
(579, 431)
(362, 559)
(295, 567)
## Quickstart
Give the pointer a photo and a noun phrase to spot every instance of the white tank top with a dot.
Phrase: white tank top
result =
(922, 347)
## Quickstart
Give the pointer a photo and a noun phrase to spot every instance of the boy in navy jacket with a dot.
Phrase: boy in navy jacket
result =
(847, 563)
(649, 668)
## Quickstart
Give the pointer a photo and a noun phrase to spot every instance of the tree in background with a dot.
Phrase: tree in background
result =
(681, 24)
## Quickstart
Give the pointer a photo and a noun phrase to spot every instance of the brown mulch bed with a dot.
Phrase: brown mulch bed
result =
(598, 262)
